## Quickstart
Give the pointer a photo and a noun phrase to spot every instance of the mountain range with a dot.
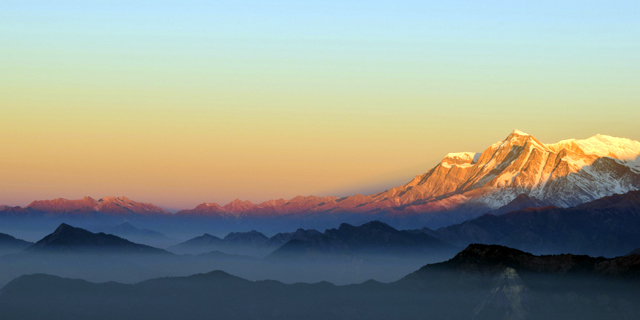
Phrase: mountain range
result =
(88, 205)
(603, 227)
(563, 174)
(511, 174)
(252, 243)
(350, 254)
(480, 282)
(370, 239)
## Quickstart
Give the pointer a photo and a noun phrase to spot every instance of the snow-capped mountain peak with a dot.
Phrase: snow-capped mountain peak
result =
(86, 205)
(563, 174)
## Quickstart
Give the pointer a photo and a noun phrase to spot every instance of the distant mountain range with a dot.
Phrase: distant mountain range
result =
(251, 243)
(481, 282)
(344, 255)
(491, 260)
(88, 205)
(515, 173)
(563, 174)
(603, 227)
(373, 238)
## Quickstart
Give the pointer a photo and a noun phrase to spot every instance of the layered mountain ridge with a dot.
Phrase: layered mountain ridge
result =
(480, 282)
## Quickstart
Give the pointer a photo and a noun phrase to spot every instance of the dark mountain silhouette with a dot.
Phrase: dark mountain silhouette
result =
(315, 247)
(372, 238)
(480, 282)
(201, 244)
(493, 259)
(69, 239)
(606, 227)
(130, 232)
(7, 240)
(376, 236)
(127, 228)
(635, 251)
(252, 237)
(251, 243)
(300, 234)
(9, 244)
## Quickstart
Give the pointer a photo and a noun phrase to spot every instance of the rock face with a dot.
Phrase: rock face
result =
(508, 299)
(87, 205)
(519, 171)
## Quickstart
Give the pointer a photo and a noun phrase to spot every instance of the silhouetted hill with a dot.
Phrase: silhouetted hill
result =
(67, 238)
(130, 232)
(523, 201)
(7, 240)
(372, 238)
(9, 244)
(251, 243)
(376, 236)
(201, 244)
(300, 234)
(127, 228)
(480, 282)
(492, 259)
(252, 237)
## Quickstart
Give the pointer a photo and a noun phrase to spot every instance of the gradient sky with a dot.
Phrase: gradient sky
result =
(183, 102)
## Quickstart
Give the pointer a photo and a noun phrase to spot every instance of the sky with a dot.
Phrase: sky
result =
(183, 102)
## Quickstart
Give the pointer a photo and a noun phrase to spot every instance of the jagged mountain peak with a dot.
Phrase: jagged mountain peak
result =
(63, 227)
(517, 132)
(521, 164)
(238, 205)
(87, 205)
(115, 199)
